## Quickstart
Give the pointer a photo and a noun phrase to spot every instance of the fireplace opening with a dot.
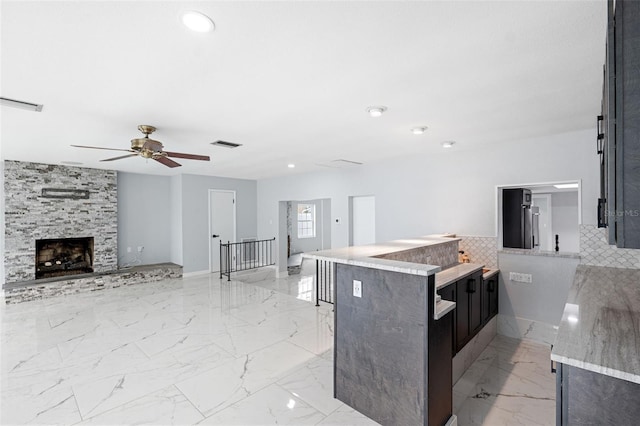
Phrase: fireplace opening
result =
(64, 256)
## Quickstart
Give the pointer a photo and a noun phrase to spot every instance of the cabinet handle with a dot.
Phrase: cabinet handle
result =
(602, 217)
(599, 142)
(471, 285)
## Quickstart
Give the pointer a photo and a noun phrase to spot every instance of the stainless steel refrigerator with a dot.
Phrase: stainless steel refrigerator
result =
(519, 219)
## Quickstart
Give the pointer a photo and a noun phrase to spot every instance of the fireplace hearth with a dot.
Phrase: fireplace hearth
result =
(63, 256)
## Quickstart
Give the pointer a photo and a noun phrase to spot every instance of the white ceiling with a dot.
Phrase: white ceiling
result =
(291, 80)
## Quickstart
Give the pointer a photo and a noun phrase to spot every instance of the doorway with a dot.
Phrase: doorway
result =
(363, 220)
(543, 202)
(222, 223)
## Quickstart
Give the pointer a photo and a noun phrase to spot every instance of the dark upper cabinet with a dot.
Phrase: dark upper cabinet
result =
(619, 127)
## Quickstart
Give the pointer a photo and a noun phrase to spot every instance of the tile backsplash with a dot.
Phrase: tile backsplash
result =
(595, 250)
(482, 250)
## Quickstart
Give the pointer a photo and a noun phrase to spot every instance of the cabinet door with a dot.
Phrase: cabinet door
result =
(462, 314)
(475, 303)
(492, 295)
(486, 300)
(449, 293)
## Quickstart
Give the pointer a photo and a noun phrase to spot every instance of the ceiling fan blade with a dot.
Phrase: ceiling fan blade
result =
(187, 156)
(121, 157)
(99, 147)
(167, 162)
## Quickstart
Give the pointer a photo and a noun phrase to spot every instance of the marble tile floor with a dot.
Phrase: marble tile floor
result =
(200, 350)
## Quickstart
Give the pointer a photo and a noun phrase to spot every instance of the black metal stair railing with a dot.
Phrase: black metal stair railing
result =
(324, 281)
(245, 255)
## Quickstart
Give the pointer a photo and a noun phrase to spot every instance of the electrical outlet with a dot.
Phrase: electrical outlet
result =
(357, 288)
(140, 248)
(128, 249)
(520, 278)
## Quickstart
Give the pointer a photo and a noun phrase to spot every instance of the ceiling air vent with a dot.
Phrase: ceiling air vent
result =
(226, 144)
(339, 164)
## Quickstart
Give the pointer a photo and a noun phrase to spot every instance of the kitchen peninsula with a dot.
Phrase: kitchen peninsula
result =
(392, 341)
(597, 347)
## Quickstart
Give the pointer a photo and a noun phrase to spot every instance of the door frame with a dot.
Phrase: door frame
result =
(210, 193)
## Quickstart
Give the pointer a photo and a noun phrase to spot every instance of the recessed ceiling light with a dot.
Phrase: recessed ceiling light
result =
(448, 144)
(566, 185)
(419, 130)
(291, 165)
(376, 111)
(197, 22)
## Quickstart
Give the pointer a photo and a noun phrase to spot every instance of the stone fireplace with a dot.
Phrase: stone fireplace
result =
(45, 202)
(63, 256)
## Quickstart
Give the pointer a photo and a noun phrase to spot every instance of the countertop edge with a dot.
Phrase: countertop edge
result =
(410, 268)
(450, 280)
(630, 377)
(443, 307)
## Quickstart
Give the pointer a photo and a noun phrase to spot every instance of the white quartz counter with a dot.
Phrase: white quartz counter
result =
(455, 273)
(600, 326)
(365, 255)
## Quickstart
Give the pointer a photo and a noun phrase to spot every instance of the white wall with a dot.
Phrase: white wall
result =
(195, 216)
(176, 219)
(454, 191)
(564, 218)
(144, 218)
(169, 216)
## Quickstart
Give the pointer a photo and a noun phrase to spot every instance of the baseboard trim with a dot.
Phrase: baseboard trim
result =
(196, 273)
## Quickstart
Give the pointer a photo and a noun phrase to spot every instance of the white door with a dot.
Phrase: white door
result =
(363, 220)
(222, 223)
(543, 202)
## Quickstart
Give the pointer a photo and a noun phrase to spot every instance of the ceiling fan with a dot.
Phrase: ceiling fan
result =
(149, 148)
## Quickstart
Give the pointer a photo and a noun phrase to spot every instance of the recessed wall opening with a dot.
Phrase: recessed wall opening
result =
(63, 256)
(540, 217)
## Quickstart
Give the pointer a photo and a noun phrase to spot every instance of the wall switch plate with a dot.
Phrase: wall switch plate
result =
(128, 249)
(520, 278)
(357, 288)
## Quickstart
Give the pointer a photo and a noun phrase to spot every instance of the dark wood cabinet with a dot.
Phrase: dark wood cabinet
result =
(468, 308)
(462, 314)
(474, 289)
(476, 303)
(489, 298)
(619, 127)
(449, 293)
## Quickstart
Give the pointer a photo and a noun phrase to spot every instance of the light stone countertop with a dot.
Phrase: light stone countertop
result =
(365, 255)
(530, 252)
(600, 326)
(455, 273)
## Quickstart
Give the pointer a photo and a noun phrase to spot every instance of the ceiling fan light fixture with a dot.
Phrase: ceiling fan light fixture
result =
(376, 111)
(198, 22)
